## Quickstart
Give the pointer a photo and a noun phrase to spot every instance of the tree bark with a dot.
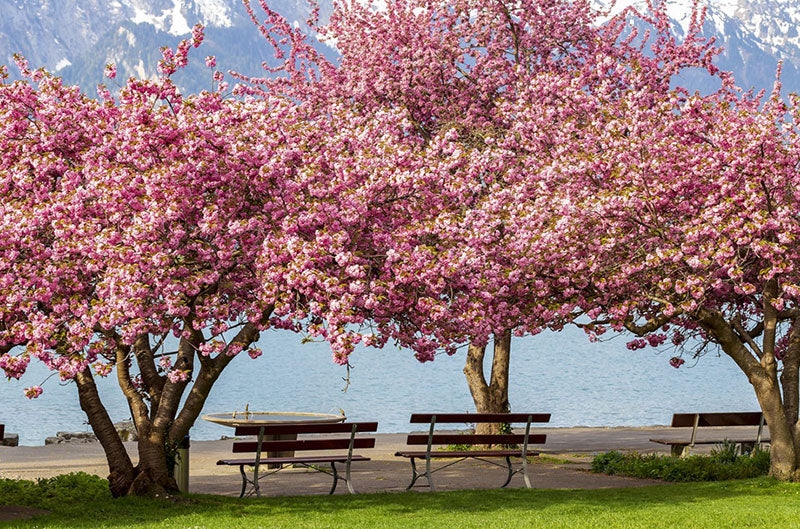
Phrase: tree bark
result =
(790, 377)
(783, 452)
(120, 467)
(152, 475)
(492, 396)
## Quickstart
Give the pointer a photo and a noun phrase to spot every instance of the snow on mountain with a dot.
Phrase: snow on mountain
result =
(754, 36)
(172, 17)
(77, 38)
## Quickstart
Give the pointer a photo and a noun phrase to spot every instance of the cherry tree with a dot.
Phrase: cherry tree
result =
(483, 99)
(130, 233)
(681, 227)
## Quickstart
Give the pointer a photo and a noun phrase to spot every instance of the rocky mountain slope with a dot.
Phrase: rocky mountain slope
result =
(77, 38)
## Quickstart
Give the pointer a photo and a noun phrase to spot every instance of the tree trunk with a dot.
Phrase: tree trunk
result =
(790, 380)
(761, 367)
(152, 475)
(120, 467)
(155, 408)
(783, 452)
(492, 396)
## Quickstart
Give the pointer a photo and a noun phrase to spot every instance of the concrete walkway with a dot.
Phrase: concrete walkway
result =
(384, 473)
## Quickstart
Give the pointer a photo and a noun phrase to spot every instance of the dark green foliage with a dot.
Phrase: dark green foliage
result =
(49, 493)
(723, 463)
(726, 452)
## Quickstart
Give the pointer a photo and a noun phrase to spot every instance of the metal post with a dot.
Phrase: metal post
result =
(182, 466)
(687, 449)
(525, 453)
(428, 455)
(350, 459)
(258, 461)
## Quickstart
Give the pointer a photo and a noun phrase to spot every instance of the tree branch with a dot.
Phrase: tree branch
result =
(745, 336)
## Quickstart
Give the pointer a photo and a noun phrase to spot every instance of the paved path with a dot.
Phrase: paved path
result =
(384, 473)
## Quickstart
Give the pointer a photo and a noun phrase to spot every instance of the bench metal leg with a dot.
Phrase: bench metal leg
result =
(680, 450)
(347, 477)
(253, 482)
(416, 475)
(428, 474)
(337, 477)
(244, 480)
(510, 473)
(525, 472)
(522, 470)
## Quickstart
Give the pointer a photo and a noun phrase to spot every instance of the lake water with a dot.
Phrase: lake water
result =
(580, 383)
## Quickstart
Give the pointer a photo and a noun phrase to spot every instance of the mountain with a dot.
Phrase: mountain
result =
(76, 38)
(754, 35)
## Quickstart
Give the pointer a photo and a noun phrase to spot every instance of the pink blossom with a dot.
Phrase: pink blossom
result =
(33, 392)
(178, 375)
(197, 35)
(676, 362)
(102, 369)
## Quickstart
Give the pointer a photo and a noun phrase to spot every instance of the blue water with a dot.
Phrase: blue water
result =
(580, 383)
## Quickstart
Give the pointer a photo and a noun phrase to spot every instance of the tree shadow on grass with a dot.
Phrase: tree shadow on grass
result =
(472, 508)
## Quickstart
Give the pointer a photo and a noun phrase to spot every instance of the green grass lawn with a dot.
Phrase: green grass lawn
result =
(747, 503)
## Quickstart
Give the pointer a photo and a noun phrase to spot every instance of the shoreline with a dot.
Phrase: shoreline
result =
(224, 437)
(568, 453)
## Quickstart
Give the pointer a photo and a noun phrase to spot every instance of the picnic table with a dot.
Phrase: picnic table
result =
(266, 418)
(258, 418)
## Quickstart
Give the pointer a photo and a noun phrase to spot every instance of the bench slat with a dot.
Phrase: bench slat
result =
(471, 439)
(686, 420)
(465, 453)
(296, 428)
(479, 417)
(288, 460)
(303, 444)
(704, 441)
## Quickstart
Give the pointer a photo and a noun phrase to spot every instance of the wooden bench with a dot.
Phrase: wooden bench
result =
(682, 446)
(263, 445)
(432, 438)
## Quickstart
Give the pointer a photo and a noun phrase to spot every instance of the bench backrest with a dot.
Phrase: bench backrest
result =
(2, 432)
(432, 438)
(509, 418)
(288, 429)
(698, 420)
(687, 420)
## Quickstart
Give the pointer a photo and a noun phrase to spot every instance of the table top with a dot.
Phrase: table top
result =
(243, 418)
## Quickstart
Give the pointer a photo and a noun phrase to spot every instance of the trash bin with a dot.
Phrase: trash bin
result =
(182, 466)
